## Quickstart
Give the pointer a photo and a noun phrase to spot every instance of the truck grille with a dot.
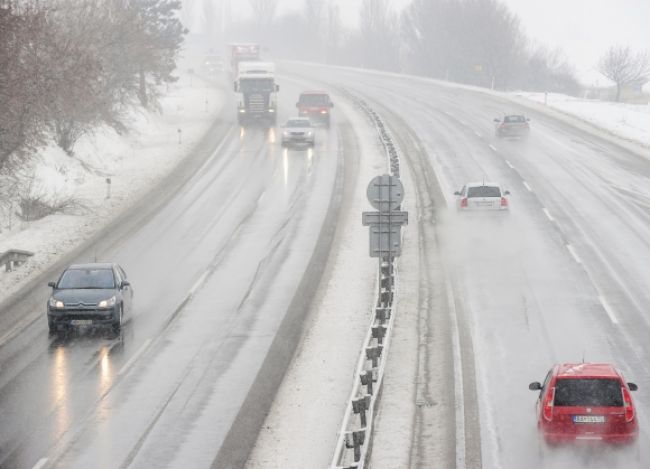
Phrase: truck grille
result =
(256, 103)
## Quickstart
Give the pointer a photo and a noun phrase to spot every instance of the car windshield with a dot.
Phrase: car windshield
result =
(298, 123)
(314, 100)
(596, 392)
(259, 85)
(514, 119)
(483, 191)
(87, 278)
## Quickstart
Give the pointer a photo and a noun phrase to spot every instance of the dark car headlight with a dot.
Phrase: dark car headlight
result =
(104, 304)
(56, 304)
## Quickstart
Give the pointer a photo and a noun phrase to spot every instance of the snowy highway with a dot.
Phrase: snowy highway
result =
(488, 303)
(214, 273)
(562, 278)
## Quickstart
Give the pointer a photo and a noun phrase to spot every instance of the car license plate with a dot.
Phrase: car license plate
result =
(81, 322)
(588, 419)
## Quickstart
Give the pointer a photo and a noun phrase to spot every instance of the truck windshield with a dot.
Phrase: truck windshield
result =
(259, 85)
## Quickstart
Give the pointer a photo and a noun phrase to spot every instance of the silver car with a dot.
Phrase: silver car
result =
(298, 131)
(482, 196)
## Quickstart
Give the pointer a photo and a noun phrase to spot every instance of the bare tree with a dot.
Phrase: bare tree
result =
(379, 35)
(625, 68)
(264, 11)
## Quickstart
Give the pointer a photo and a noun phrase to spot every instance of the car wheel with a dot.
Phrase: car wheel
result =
(51, 326)
(117, 325)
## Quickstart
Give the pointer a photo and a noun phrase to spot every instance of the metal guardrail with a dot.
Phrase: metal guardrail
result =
(354, 438)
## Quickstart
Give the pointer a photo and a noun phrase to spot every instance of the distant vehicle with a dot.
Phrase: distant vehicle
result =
(512, 125)
(316, 105)
(482, 196)
(258, 93)
(213, 64)
(298, 131)
(90, 295)
(586, 401)
(242, 52)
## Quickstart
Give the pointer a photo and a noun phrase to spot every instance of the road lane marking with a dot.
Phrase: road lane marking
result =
(548, 214)
(459, 392)
(510, 164)
(608, 309)
(478, 134)
(198, 283)
(462, 122)
(40, 463)
(137, 355)
(493, 148)
(527, 186)
(574, 254)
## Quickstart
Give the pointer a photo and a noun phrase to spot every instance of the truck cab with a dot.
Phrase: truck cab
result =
(316, 105)
(257, 92)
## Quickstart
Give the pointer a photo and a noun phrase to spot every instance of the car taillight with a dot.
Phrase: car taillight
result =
(504, 202)
(463, 202)
(547, 410)
(629, 408)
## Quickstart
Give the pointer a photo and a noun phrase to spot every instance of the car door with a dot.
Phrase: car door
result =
(126, 290)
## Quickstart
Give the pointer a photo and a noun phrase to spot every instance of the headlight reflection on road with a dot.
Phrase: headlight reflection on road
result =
(272, 135)
(285, 166)
(60, 390)
(242, 133)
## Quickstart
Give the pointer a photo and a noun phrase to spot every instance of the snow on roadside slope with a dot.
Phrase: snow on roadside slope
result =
(134, 162)
(628, 121)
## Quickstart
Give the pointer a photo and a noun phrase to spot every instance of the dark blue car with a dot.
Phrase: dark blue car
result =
(88, 295)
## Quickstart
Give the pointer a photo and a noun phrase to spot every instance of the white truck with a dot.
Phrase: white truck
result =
(258, 99)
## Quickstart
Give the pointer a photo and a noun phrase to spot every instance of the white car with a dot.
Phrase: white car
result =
(482, 196)
(298, 131)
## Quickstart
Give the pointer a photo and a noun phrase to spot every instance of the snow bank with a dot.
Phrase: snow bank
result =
(134, 162)
(628, 121)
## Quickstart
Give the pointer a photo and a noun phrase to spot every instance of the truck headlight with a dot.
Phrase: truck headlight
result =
(57, 304)
(107, 303)
(242, 110)
(271, 110)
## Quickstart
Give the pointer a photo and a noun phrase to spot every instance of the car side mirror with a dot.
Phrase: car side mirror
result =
(497, 120)
(234, 86)
(126, 283)
(457, 193)
(527, 119)
(632, 386)
(51, 284)
(277, 88)
(535, 386)
(507, 192)
(331, 104)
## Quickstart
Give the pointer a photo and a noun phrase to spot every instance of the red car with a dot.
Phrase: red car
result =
(316, 105)
(586, 401)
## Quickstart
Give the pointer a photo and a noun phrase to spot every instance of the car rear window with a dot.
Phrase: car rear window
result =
(298, 123)
(483, 191)
(597, 392)
(314, 100)
(514, 119)
(87, 278)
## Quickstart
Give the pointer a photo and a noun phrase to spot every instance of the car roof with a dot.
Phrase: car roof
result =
(302, 119)
(587, 370)
(314, 92)
(92, 265)
(482, 183)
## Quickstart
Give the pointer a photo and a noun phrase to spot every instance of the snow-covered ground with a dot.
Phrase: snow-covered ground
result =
(134, 162)
(628, 121)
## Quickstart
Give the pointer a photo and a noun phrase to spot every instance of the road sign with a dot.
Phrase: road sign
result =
(385, 240)
(385, 193)
(385, 218)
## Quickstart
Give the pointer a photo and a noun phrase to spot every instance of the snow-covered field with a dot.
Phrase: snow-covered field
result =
(628, 121)
(134, 162)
